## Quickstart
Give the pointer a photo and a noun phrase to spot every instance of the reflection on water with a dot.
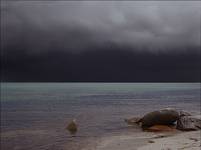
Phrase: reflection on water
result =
(34, 115)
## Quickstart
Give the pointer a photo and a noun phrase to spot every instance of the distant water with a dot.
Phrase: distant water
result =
(34, 115)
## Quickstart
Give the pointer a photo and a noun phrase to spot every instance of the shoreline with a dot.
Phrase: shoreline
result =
(152, 141)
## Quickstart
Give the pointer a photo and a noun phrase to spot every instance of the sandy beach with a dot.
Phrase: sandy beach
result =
(152, 141)
(35, 115)
(182, 141)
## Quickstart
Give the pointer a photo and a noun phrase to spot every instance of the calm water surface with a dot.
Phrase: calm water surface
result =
(34, 115)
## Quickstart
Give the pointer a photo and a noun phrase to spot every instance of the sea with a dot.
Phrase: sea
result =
(34, 116)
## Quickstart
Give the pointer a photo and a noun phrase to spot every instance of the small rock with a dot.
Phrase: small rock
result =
(184, 113)
(72, 127)
(159, 136)
(188, 123)
(196, 120)
(151, 141)
(132, 121)
(194, 139)
(166, 149)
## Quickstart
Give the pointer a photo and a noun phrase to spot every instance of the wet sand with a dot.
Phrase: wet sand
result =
(152, 141)
(182, 141)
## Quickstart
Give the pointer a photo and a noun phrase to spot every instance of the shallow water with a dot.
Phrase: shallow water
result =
(34, 115)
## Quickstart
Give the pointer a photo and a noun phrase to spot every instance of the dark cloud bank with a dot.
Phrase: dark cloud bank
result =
(105, 65)
(101, 41)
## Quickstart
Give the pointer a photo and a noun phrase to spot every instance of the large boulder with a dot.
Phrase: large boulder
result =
(189, 123)
(166, 120)
(162, 117)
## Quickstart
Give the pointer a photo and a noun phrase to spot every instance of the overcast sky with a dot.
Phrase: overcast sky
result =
(101, 41)
(75, 25)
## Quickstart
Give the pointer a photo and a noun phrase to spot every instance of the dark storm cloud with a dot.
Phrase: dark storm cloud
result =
(76, 25)
(100, 41)
(106, 64)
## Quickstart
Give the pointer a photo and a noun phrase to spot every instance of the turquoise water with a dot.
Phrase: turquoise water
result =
(34, 115)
